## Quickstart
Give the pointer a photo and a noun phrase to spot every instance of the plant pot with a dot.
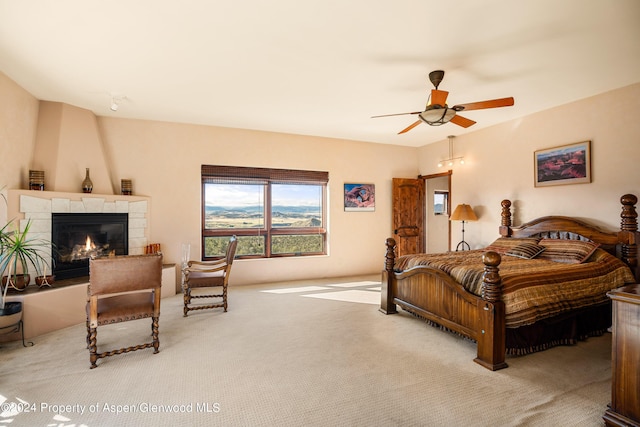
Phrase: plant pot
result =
(45, 281)
(10, 314)
(19, 282)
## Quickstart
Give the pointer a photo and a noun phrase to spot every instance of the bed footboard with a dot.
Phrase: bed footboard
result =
(433, 295)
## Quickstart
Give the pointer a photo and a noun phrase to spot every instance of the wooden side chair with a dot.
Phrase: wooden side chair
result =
(208, 274)
(123, 288)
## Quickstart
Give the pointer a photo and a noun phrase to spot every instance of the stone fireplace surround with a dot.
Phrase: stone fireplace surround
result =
(55, 308)
(38, 206)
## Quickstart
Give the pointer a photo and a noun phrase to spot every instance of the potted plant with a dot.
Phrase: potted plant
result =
(18, 252)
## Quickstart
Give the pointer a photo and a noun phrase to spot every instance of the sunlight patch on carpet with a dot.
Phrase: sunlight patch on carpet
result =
(368, 292)
(352, 295)
(294, 290)
(355, 284)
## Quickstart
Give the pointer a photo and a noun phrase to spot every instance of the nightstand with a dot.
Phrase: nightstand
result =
(624, 409)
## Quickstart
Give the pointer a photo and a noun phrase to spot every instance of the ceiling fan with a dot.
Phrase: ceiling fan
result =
(437, 112)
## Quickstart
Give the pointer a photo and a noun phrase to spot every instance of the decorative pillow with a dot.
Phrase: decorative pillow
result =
(503, 244)
(567, 251)
(528, 250)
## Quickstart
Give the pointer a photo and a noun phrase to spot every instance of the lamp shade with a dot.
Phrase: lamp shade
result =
(463, 212)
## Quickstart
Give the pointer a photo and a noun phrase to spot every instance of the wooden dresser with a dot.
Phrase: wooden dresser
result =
(624, 409)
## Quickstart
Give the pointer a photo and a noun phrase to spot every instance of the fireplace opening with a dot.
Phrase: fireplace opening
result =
(80, 236)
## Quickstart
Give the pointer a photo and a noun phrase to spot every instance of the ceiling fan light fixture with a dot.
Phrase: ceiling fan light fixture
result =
(437, 115)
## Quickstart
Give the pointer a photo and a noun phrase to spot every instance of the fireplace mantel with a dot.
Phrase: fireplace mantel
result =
(38, 206)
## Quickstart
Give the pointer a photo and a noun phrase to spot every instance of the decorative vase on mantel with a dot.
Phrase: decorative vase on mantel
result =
(87, 185)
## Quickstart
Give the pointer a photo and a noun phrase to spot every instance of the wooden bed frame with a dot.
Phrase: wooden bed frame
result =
(435, 296)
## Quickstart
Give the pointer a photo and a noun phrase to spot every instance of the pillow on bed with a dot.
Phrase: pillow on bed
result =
(528, 250)
(567, 251)
(503, 244)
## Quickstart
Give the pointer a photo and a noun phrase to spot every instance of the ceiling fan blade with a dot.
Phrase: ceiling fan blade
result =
(439, 97)
(411, 126)
(396, 114)
(494, 103)
(462, 121)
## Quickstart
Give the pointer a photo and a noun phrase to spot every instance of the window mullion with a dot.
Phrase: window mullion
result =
(267, 219)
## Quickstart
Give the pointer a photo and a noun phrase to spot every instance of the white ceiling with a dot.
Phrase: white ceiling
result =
(318, 67)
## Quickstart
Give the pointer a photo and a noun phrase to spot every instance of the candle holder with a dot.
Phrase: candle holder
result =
(126, 187)
(36, 180)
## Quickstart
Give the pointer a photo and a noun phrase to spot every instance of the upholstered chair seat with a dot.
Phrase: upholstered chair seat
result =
(198, 279)
(122, 308)
(208, 274)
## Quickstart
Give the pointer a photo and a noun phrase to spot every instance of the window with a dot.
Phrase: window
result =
(440, 202)
(273, 212)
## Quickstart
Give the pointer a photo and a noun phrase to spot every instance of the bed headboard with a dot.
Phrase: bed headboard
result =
(622, 243)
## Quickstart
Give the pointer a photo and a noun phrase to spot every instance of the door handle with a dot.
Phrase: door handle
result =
(413, 227)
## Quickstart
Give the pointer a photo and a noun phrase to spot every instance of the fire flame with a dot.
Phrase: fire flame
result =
(89, 245)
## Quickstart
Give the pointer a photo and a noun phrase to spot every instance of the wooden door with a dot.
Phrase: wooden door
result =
(408, 215)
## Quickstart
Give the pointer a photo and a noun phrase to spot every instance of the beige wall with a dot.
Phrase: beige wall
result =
(499, 164)
(437, 227)
(68, 143)
(163, 160)
(18, 119)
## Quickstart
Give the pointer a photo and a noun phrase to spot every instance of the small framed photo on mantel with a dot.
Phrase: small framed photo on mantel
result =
(359, 197)
(566, 164)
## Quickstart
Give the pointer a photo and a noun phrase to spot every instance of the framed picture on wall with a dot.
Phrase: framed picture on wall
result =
(566, 164)
(359, 197)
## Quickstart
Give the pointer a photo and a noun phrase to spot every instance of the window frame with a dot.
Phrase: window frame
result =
(215, 174)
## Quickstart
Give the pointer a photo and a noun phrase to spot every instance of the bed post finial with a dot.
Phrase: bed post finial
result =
(390, 256)
(505, 222)
(629, 221)
(491, 281)
(387, 305)
(629, 231)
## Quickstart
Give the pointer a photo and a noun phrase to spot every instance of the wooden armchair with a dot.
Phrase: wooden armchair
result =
(123, 288)
(208, 274)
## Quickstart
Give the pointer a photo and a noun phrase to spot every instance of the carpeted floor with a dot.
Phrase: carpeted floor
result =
(310, 353)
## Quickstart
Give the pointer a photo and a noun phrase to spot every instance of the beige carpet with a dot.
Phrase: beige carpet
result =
(312, 353)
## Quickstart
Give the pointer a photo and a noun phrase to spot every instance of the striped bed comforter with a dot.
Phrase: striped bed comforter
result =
(533, 289)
